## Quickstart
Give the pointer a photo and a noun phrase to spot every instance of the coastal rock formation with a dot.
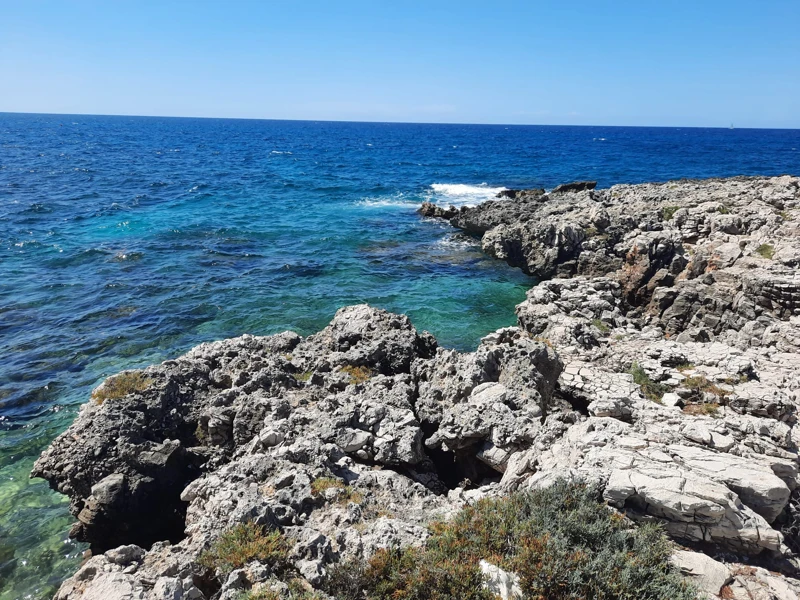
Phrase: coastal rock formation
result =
(657, 358)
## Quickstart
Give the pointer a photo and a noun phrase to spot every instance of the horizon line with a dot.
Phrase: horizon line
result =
(376, 122)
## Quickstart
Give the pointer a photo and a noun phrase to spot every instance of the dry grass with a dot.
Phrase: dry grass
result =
(346, 494)
(707, 409)
(297, 591)
(700, 384)
(357, 374)
(304, 376)
(244, 543)
(121, 385)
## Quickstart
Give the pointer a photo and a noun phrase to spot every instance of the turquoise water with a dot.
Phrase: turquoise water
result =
(125, 241)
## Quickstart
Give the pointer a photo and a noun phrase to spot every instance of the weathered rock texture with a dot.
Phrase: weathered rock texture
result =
(657, 358)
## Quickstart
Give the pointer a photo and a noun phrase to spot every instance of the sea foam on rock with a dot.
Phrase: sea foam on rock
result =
(658, 358)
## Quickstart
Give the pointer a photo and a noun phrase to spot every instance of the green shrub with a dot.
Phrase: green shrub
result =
(668, 212)
(562, 542)
(357, 374)
(723, 210)
(651, 390)
(766, 251)
(121, 385)
(601, 326)
(244, 543)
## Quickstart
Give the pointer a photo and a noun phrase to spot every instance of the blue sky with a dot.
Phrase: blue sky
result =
(682, 63)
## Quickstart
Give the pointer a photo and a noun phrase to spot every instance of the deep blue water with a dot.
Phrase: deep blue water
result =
(125, 241)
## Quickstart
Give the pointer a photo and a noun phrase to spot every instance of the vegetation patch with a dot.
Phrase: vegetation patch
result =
(121, 385)
(723, 210)
(562, 542)
(297, 591)
(200, 433)
(685, 367)
(543, 340)
(766, 251)
(707, 409)
(357, 374)
(652, 390)
(668, 212)
(244, 543)
(346, 494)
(601, 326)
(304, 376)
(700, 385)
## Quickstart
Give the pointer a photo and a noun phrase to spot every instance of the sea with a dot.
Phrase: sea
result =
(125, 241)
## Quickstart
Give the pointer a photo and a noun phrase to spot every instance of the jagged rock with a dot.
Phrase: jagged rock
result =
(709, 575)
(429, 209)
(578, 186)
(660, 362)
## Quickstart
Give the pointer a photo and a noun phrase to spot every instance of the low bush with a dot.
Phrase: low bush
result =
(562, 542)
(121, 385)
(651, 390)
(246, 542)
(601, 326)
(766, 251)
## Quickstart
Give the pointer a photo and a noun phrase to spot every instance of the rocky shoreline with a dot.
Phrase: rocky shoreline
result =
(658, 359)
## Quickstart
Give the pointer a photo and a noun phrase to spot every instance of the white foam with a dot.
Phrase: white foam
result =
(462, 194)
(457, 243)
(397, 201)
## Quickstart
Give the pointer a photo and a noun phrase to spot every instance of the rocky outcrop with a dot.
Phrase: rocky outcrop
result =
(658, 358)
(239, 431)
(429, 209)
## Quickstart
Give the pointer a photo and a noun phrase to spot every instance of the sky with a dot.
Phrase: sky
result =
(598, 62)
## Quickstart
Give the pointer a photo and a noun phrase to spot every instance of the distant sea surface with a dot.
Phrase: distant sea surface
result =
(125, 241)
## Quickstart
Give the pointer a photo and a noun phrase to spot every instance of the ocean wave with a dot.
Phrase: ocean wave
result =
(462, 194)
(457, 242)
(397, 201)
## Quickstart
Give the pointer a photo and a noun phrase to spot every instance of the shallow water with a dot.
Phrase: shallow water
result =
(125, 241)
